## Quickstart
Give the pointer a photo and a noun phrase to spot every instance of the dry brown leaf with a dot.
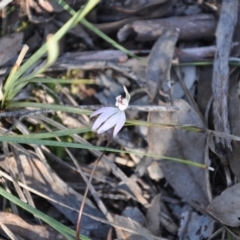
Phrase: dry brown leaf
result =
(27, 231)
(10, 45)
(190, 183)
(226, 207)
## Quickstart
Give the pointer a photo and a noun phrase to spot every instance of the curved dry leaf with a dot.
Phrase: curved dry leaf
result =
(160, 62)
(190, 183)
(226, 207)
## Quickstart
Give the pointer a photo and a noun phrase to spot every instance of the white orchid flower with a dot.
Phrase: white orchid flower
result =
(112, 116)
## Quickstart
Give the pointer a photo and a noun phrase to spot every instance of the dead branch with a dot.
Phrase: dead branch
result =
(191, 28)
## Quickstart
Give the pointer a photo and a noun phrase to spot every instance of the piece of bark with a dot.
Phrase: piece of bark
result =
(191, 28)
(28, 231)
(224, 34)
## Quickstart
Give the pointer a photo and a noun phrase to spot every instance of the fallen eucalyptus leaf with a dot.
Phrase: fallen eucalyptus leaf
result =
(190, 183)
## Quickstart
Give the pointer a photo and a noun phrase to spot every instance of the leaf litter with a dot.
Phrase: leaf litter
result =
(160, 202)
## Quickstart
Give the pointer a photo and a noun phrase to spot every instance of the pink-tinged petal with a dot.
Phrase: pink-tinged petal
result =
(103, 117)
(112, 121)
(119, 125)
(103, 109)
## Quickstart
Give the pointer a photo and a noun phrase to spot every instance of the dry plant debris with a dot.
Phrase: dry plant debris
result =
(27, 231)
(185, 84)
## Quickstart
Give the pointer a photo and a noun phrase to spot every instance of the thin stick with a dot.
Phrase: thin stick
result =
(78, 229)
(190, 97)
(147, 108)
(24, 113)
(22, 55)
